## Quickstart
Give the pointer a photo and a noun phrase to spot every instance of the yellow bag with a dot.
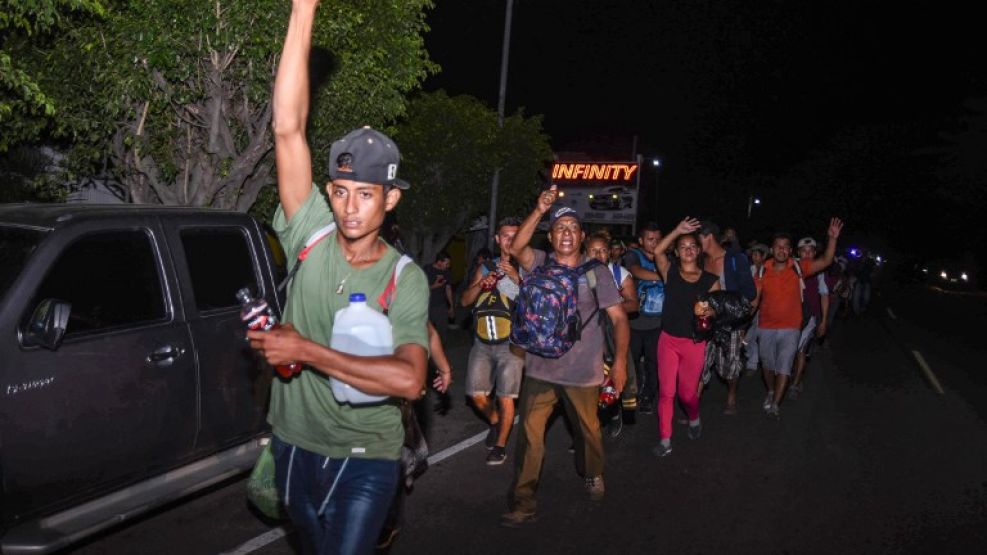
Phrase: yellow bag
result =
(492, 317)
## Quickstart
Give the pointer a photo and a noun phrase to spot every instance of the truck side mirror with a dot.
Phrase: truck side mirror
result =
(47, 324)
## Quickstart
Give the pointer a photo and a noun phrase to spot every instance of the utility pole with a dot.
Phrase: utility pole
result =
(495, 183)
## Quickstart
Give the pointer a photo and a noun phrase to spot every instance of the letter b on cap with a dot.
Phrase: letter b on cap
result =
(392, 171)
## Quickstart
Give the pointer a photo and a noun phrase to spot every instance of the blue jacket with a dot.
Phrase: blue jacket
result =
(737, 273)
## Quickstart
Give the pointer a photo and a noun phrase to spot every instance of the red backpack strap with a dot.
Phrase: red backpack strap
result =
(387, 297)
(309, 244)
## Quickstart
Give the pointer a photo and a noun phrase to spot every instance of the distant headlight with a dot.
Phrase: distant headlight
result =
(943, 275)
(964, 277)
(925, 270)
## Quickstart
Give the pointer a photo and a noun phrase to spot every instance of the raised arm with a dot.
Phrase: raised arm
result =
(521, 246)
(687, 225)
(823, 262)
(290, 109)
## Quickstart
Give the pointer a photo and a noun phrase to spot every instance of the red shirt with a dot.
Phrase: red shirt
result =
(781, 295)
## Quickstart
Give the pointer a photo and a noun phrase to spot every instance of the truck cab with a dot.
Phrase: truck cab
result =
(124, 375)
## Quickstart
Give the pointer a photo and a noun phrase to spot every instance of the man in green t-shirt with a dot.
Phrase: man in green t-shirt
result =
(337, 464)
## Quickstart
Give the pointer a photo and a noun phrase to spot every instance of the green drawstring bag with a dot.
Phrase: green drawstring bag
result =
(261, 488)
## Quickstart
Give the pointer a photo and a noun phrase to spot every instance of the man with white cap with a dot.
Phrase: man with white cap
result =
(816, 299)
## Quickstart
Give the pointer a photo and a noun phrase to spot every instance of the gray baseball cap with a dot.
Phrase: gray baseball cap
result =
(368, 156)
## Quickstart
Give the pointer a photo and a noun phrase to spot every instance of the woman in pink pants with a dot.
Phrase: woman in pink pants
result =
(680, 359)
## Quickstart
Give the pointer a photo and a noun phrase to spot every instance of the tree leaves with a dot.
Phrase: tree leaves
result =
(178, 91)
(450, 147)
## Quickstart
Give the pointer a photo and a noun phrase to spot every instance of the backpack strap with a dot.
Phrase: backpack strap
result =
(615, 270)
(796, 264)
(309, 244)
(798, 272)
(387, 297)
(642, 259)
(589, 268)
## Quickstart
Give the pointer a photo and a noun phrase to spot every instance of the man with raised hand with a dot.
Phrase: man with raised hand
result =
(779, 300)
(493, 366)
(574, 378)
(337, 464)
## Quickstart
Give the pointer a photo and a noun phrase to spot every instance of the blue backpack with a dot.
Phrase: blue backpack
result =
(546, 320)
(651, 293)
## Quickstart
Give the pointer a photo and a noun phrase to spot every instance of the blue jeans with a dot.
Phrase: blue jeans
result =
(337, 506)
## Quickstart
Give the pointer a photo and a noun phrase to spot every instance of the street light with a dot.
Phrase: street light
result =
(656, 164)
(751, 201)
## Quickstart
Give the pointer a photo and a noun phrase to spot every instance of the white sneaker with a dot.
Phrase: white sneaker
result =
(768, 400)
(773, 412)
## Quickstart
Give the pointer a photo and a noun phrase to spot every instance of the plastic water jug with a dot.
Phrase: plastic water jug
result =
(359, 330)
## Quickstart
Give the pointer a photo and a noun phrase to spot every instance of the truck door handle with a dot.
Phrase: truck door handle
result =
(165, 356)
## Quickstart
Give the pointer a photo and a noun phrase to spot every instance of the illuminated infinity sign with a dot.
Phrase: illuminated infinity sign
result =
(594, 172)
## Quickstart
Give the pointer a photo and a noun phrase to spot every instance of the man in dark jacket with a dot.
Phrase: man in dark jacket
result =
(734, 270)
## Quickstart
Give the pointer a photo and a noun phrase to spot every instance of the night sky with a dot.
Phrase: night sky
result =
(732, 88)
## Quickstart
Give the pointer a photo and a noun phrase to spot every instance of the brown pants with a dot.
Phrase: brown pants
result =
(538, 400)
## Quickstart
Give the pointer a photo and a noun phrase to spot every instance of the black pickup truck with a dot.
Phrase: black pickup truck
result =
(125, 381)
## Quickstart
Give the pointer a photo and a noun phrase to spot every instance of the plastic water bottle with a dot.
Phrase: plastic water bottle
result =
(256, 314)
(359, 330)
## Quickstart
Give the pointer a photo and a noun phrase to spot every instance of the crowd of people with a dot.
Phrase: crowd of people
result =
(589, 317)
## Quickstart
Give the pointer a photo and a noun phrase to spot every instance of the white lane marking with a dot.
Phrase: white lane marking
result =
(260, 541)
(277, 533)
(890, 313)
(928, 372)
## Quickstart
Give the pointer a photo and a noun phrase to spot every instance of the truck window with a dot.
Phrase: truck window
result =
(111, 278)
(219, 262)
(16, 246)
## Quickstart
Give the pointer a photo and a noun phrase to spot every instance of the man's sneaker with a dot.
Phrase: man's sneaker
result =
(794, 391)
(496, 456)
(695, 432)
(595, 488)
(646, 406)
(492, 433)
(769, 400)
(614, 427)
(773, 412)
(662, 450)
(516, 518)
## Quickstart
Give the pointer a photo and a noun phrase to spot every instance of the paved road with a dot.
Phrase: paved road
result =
(871, 459)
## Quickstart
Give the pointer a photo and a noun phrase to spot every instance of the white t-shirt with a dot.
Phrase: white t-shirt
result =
(617, 269)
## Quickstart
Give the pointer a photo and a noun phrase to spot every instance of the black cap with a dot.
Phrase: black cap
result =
(368, 156)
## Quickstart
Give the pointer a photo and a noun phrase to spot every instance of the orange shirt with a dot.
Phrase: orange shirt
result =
(781, 297)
